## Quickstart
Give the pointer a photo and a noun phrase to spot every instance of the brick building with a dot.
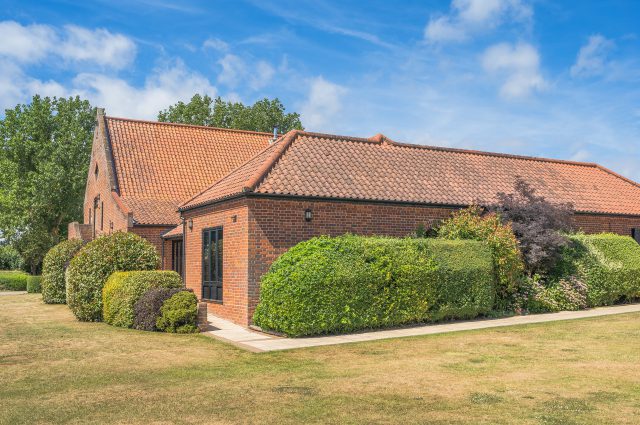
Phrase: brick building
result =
(307, 184)
(141, 171)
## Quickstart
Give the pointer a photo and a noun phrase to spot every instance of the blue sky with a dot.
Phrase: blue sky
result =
(544, 78)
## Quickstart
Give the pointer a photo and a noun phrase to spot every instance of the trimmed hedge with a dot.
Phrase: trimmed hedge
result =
(179, 314)
(54, 265)
(94, 263)
(123, 289)
(13, 280)
(147, 308)
(342, 284)
(609, 265)
(34, 284)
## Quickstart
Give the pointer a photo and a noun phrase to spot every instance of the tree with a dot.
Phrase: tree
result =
(264, 115)
(45, 148)
(537, 224)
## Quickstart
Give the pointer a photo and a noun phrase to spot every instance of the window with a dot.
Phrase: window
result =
(95, 171)
(212, 252)
(635, 234)
(101, 215)
(176, 256)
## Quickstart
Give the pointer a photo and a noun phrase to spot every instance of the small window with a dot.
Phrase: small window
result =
(101, 215)
(95, 172)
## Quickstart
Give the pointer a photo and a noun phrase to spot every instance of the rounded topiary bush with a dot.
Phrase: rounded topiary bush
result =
(123, 289)
(348, 283)
(34, 284)
(179, 314)
(53, 270)
(147, 308)
(94, 263)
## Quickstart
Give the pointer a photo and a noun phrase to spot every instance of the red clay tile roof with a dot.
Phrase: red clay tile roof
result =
(176, 232)
(160, 165)
(328, 166)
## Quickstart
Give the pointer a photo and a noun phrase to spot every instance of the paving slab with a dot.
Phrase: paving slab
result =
(258, 341)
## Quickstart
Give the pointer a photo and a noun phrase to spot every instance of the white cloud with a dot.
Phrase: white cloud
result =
(34, 43)
(467, 17)
(323, 103)
(164, 87)
(592, 57)
(215, 44)
(236, 71)
(98, 46)
(520, 66)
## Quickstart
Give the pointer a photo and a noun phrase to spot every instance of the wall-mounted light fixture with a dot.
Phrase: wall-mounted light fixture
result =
(308, 214)
(190, 224)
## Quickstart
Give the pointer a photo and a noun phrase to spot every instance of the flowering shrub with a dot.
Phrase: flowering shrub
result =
(561, 295)
(469, 223)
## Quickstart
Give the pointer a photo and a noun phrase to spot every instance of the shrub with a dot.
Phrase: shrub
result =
(179, 314)
(33, 284)
(608, 264)
(469, 223)
(147, 308)
(123, 289)
(560, 295)
(537, 224)
(13, 280)
(54, 267)
(347, 283)
(94, 263)
(10, 258)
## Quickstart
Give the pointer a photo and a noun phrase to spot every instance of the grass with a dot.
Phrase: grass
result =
(54, 369)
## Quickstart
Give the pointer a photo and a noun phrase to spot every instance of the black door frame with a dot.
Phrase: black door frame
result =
(212, 287)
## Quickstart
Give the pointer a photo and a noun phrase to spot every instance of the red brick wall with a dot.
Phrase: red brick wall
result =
(153, 235)
(266, 227)
(233, 217)
(606, 223)
(102, 185)
(278, 224)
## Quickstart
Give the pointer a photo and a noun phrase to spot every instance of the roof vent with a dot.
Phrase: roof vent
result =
(275, 134)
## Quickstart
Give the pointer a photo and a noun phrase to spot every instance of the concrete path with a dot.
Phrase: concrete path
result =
(259, 342)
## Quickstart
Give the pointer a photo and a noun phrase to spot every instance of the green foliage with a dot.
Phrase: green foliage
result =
(94, 263)
(179, 314)
(147, 308)
(347, 283)
(13, 280)
(34, 284)
(44, 154)
(555, 295)
(54, 266)
(263, 115)
(469, 223)
(10, 258)
(609, 265)
(124, 289)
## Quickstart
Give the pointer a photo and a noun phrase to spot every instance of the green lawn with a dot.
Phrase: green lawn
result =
(56, 370)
